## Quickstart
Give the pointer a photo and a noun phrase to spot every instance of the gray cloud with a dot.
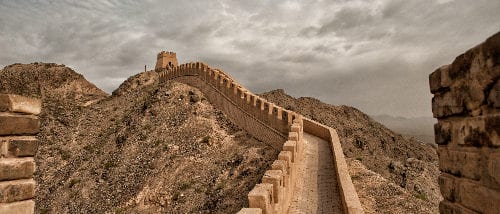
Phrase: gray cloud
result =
(374, 55)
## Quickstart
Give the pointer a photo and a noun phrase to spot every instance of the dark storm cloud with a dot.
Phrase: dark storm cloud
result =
(374, 55)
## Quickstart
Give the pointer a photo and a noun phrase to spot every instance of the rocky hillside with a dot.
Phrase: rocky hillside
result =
(147, 148)
(151, 148)
(391, 174)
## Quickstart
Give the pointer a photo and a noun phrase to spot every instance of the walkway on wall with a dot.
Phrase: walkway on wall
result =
(317, 188)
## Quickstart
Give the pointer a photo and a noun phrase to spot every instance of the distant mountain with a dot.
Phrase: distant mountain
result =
(420, 128)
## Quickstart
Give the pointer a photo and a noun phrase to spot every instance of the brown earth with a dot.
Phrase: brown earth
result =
(406, 163)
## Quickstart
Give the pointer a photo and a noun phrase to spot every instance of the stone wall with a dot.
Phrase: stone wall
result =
(262, 119)
(280, 128)
(466, 102)
(18, 144)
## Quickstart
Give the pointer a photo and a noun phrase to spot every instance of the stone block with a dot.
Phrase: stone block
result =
(15, 124)
(291, 146)
(18, 146)
(459, 163)
(17, 190)
(261, 197)
(446, 207)
(20, 207)
(293, 136)
(439, 80)
(447, 104)
(282, 166)
(16, 103)
(448, 187)
(478, 198)
(275, 177)
(442, 132)
(250, 211)
(476, 131)
(16, 168)
(494, 166)
(494, 96)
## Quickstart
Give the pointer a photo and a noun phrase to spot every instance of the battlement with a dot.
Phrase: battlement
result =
(166, 59)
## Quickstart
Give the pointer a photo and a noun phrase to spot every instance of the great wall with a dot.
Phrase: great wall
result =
(310, 174)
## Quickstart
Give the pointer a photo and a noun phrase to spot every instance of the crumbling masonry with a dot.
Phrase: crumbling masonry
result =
(467, 104)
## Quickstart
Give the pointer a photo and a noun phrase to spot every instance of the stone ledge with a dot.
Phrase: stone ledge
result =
(16, 124)
(16, 168)
(21, 104)
(17, 190)
(20, 207)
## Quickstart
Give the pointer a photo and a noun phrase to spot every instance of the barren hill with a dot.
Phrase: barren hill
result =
(390, 173)
(144, 149)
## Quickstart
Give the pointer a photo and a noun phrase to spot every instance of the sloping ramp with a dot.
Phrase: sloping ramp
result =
(317, 189)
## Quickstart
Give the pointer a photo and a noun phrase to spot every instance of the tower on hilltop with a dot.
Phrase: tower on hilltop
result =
(166, 59)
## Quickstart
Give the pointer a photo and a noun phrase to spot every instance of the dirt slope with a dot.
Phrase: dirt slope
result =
(145, 149)
(408, 164)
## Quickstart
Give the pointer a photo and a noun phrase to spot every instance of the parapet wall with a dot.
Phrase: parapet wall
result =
(280, 128)
(350, 199)
(18, 144)
(467, 102)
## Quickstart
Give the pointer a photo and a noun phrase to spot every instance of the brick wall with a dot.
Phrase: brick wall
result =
(466, 102)
(18, 144)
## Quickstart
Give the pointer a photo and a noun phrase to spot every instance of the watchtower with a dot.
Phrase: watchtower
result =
(166, 59)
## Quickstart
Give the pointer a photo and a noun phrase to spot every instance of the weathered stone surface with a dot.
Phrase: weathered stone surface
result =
(439, 80)
(442, 132)
(446, 207)
(466, 101)
(469, 131)
(478, 198)
(18, 146)
(460, 163)
(463, 86)
(446, 104)
(494, 166)
(261, 197)
(447, 187)
(16, 168)
(250, 211)
(274, 177)
(16, 190)
(16, 103)
(494, 97)
(291, 146)
(20, 207)
(15, 124)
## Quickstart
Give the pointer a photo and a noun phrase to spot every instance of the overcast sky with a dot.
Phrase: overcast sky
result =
(373, 55)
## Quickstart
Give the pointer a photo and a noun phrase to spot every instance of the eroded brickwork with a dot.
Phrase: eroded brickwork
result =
(466, 102)
(18, 144)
